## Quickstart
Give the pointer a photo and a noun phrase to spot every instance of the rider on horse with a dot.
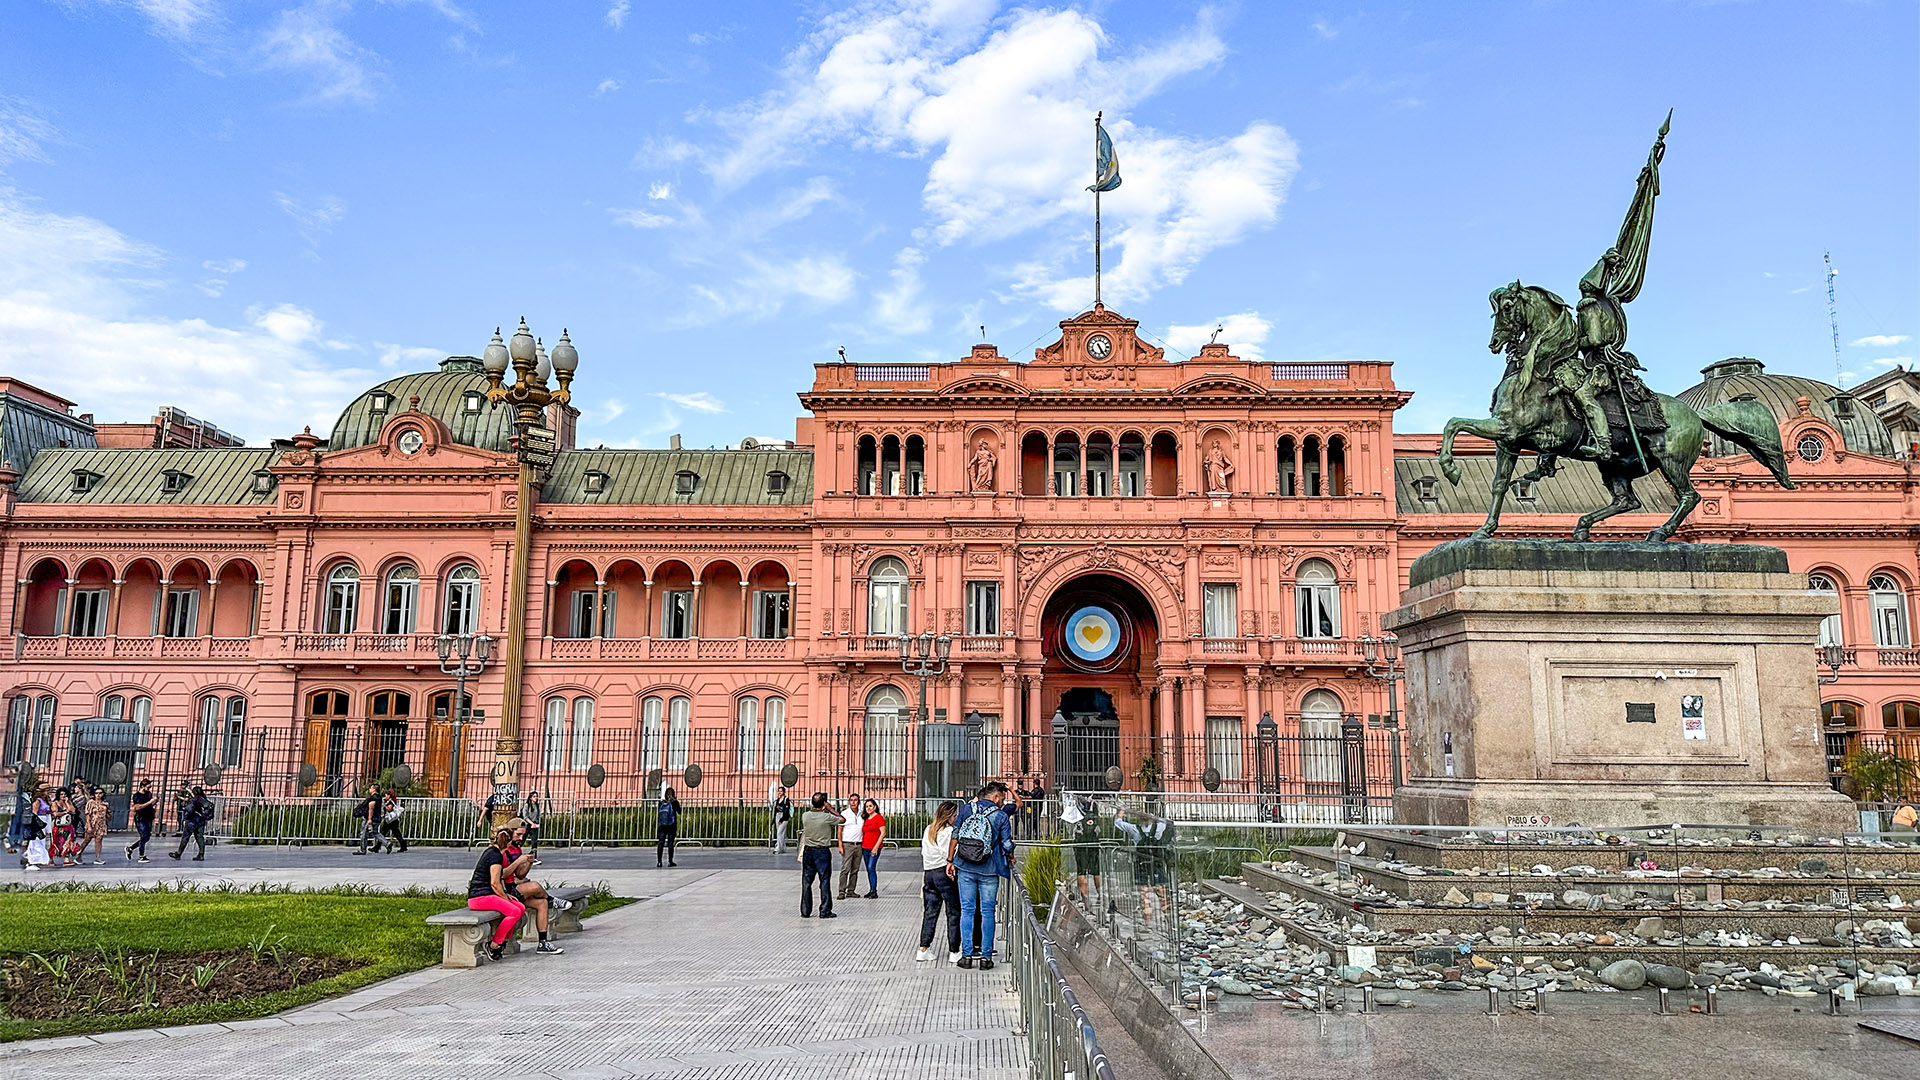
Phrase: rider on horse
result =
(1600, 363)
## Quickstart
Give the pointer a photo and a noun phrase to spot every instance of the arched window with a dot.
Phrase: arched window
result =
(1841, 723)
(679, 732)
(773, 741)
(1316, 601)
(1829, 626)
(403, 596)
(1320, 737)
(30, 728)
(1889, 613)
(135, 707)
(887, 598)
(1902, 717)
(342, 606)
(582, 733)
(886, 731)
(223, 728)
(553, 738)
(747, 712)
(652, 732)
(463, 601)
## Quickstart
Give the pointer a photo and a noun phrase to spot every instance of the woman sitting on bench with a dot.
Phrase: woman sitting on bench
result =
(529, 892)
(488, 891)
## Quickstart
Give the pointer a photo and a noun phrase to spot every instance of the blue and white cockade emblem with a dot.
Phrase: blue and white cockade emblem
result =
(1093, 634)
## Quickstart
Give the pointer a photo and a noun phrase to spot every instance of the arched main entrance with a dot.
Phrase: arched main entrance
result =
(1098, 633)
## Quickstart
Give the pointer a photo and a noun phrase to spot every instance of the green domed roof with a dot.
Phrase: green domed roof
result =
(444, 394)
(1740, 376)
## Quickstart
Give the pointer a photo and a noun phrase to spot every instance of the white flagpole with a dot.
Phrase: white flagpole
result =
(1096, 209)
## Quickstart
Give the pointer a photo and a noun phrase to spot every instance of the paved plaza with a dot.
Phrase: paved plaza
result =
(712, 975)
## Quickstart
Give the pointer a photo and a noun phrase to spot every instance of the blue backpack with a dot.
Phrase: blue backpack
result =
(669, 813)
(973, 840)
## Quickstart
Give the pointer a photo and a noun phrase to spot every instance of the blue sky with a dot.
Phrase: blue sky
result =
(253, 210)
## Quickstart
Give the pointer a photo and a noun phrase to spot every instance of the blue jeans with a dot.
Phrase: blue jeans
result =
(979, 894)
(816, 862)
(872, 859)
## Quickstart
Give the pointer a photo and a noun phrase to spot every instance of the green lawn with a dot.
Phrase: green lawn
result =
(382, 933)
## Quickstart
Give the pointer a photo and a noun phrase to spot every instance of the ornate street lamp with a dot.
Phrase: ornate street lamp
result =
(926, 658)
(535, 445)
(462, 656)
(1832, 655)
(1375, 650)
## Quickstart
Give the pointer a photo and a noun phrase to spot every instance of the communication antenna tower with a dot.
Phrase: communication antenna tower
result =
(1833, 320)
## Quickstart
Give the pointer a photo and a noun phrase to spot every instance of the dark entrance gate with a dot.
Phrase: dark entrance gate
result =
(1092, 740)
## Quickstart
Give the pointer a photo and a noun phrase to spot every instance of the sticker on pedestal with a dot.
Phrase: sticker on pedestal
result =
(1693, 717)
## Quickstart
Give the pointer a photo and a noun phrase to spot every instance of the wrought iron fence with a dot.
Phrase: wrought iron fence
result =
(1061, 1041)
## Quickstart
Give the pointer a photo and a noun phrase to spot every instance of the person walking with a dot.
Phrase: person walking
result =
(782, 815)
(487, 891)
(368, 811)
(141, 813)
(873, 833)
(938, 890)
(22, 812)
(818, 827)
(850, 836)
(669, 829)
(37, 853)
(193, 824)
(530, 814)
(982, 842)
(66, 829)
(97, 813)
(180, 800)
(391, 811)
(1037, 808)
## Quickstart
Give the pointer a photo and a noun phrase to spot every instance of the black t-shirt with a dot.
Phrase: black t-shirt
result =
(369, 809)
(482, 883)
(143, 806)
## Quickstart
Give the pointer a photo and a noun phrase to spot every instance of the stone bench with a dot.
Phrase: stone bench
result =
(568, 921)
(467, 935)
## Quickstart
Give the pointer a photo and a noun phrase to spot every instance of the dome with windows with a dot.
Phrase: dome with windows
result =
(456, 395)
(1744, 377)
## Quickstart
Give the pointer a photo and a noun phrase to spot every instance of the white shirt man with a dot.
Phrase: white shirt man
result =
(850, 822)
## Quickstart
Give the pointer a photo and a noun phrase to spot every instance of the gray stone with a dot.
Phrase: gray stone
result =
(1624, 975)
(1650, 927)
(1881, 987)
(1230, 985)
(1673, 978)
(1476, 554)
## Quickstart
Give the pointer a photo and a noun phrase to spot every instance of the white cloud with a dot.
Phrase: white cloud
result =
(763, 287)
(291, 324)
(617, 14)
(898, 307)
(314, 217)
(640, 219)
(1002, 108)
(213, 286)
(224, 266)
(177, 19)
(1326, 32)
(607, 86)
(1243, 333)
(71, 299)
(409, 357)
(1892, 361)
(1880, 341)
(22, 131)
(305, 40)
(660, 189)
(700, 401)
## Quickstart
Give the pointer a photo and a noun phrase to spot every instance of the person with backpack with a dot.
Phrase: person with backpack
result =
(390, 814)
(668, 830)
(193, 823)
(367, 812)
(980, 856)
(142, 811)
(1152, 840)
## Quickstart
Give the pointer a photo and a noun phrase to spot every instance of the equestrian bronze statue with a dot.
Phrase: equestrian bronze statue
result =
(1571, 390)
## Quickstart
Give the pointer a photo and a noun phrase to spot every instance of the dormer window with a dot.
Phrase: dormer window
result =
(262, 482)
(472, 400)
(1523, 490)
(379, 401)
(1427, 488)
(83, 481)
(1843, 406)
(594, 482)
(777, 483)
(173, 482)
(686, 482)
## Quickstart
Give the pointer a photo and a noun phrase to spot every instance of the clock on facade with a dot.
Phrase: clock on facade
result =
(1099, 346)
(410, 442)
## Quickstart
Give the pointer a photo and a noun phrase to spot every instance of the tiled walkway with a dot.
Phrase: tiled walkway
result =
(718, 977)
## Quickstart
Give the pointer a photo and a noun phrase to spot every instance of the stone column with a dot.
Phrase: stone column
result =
(213, 597)
(693, 617)
(1326, 474)
(113, 608)
(546, 610)
(746, 608)
(1299, 466)
(646, 606)
(599, 607)
(1164, 686)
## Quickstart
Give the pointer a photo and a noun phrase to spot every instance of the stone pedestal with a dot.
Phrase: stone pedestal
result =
(1613, 685)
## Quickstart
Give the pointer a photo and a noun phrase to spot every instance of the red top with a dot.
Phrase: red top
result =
(870, 830)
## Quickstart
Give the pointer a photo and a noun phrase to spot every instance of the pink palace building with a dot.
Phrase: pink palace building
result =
(1137, 560)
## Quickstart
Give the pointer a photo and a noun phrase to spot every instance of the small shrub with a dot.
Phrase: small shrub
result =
(1040, 870)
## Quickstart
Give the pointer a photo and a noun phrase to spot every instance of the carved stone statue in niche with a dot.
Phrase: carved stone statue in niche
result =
(1219, 468)
(980, 469)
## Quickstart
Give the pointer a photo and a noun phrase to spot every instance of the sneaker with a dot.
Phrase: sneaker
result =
(494, 952)
(199, 858)
(923, 956)
(173, 855)
(356, 853)
(873, 896)
(143, 858)
(554, 903)
(548, 948)
(953, 958)
(828, 915)
(129, 852)
(99, 862)
(986, 963)
(966, 961)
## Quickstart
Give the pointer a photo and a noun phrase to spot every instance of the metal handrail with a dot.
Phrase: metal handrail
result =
(1061, 1042)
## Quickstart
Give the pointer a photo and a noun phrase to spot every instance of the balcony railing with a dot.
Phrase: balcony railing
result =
(665, 649)
(134, 648)
(1907, 657)
(980, 644)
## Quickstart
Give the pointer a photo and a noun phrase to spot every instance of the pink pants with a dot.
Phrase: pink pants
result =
(511, 912)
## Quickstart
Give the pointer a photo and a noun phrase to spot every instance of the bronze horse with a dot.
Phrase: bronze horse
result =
(1537, 330)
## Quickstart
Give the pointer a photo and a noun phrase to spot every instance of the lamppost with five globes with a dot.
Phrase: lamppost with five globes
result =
(462, 656)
